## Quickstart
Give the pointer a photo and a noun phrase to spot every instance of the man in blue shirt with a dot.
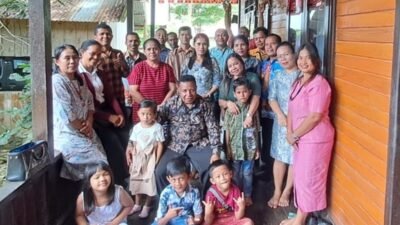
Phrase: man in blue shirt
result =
(222, 51)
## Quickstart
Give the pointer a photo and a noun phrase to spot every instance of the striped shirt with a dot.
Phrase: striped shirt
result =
(153, 82)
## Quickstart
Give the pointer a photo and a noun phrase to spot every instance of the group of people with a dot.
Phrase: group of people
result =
(157, 118)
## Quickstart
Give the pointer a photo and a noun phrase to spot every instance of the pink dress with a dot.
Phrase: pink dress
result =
(313, 151)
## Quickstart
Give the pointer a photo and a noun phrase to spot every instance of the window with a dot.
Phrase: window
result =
(309, 20)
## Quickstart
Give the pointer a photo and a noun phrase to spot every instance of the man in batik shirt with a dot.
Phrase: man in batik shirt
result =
(193, 131)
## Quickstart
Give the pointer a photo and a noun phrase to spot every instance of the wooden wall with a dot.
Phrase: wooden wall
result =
(13, 43)
(279, 18)
(363, 66)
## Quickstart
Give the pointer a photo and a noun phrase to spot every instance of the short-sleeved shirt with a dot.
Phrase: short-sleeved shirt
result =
(177, 57)
(252, 64)
(153, 82)
(164, 54)
(219, 210)
(221, 55)
(132, 61)
(272, 67)
(260, 55)
(238, 136)
(226, 91)
(147, 137)
(190, 201)
(313, 97)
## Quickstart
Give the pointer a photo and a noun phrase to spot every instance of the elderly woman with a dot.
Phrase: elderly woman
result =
(108, 116)
(151, 79)
(73, 111)
(281, 150)
(311, 133)
(203, 67)
(235, 69)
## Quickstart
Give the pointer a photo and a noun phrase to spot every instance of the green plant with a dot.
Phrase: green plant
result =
(199, 14)
(20, 131)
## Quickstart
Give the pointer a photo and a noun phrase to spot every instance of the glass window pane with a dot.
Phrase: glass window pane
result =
(295, 25)
(318, 12)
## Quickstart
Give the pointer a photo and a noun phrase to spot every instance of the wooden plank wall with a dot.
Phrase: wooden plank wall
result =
(62, 32)
(279, 18)
(363, 66)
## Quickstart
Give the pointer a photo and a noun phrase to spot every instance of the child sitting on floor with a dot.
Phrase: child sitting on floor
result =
(101, 201)
(224, 202)
(180, 203)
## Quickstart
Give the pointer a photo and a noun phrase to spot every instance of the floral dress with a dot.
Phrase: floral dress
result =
(72, 100)
(205, 79)
(279, 91)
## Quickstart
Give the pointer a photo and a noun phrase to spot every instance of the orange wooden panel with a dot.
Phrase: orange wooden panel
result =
(375, 147)
(377, 66)
(363, 95)
(371, 50)
(365, 79)
(337, 213)
(354, 183)
(356, 204)
(374, 19)
(354, 214)
(372, 34)
(362, 173)
(372, 114)
(379, 165)
(362, 6)
(376, 131)
(346, 215)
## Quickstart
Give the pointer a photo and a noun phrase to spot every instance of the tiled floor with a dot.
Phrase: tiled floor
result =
(259, 212)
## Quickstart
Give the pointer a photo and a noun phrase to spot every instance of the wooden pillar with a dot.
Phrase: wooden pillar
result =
(41, 64)
(392, 203)
(152, 17)
(129, 15)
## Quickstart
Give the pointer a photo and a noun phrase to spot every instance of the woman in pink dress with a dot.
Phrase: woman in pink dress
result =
(311, 133)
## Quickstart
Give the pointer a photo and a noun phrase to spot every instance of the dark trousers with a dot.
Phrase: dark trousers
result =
(265, 152)
(199, 157)
(115, 141)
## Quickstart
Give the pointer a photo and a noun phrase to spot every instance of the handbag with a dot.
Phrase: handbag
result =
(26, 160)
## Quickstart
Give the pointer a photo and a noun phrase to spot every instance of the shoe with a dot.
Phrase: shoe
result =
(145, 212)
(135, 209)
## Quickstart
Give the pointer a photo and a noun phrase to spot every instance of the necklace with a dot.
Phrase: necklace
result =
(292, 97)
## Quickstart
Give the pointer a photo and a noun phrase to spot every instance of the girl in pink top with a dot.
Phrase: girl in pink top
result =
(311, 134)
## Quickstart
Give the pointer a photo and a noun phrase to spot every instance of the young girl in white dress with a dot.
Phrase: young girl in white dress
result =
(101, 201)
(143, 153)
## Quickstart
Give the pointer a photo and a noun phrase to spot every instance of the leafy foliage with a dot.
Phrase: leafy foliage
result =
(201, 14)
(14, 8)
(21, 130)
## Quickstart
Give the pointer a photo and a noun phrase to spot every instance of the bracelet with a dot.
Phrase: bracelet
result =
(248, 115)
(295, 137)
